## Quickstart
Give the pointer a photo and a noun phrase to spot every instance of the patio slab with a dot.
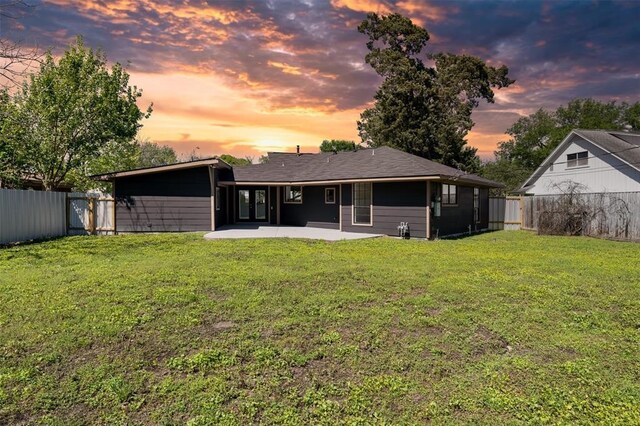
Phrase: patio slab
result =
(274, 231)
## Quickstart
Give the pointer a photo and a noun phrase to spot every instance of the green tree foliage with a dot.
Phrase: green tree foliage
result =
(535, 136)
(235, 161)
(77, 117)
(152, 154)
(423, 110)
(11, 160)
(338, 145)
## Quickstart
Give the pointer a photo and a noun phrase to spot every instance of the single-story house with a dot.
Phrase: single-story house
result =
(598, 160)
(367, 190)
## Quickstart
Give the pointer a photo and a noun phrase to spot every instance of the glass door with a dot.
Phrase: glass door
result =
(253, 205)
(244, 210)
(261, 204)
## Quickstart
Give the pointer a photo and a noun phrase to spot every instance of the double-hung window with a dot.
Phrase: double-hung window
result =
(449, 194)
(362, 194)
(293, 194)
(578, 159)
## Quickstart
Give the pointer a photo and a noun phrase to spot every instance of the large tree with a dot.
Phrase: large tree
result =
(77, 117)
(331, 145)
(534, 137)
(152, 154)
(423, 110)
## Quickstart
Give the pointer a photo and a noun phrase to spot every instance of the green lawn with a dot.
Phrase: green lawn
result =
(172, 329)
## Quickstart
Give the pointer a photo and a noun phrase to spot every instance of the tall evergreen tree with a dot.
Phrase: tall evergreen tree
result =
(423, 110)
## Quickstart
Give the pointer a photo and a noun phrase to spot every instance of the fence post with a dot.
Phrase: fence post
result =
(92, 215)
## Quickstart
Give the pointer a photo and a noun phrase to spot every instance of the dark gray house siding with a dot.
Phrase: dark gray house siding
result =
(313, 211)
(456, 219)
(393, 202)
(164, 202)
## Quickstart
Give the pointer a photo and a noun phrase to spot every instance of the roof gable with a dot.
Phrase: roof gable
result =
(622, 145)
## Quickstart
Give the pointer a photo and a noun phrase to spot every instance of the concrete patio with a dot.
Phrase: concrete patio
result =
(275, 231)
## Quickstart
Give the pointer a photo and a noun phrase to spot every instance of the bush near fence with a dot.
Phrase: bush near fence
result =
(614, 215)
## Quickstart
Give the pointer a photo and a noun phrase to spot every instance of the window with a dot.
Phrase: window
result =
(449, 194)
(293, 194)
(217, 198)
(476, 204)
(329, 195)
(578, 159)
(361, 204)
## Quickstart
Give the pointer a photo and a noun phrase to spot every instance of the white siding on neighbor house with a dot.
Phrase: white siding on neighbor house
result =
(604, 173)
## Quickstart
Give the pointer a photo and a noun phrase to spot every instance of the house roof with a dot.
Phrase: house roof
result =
(624, 145)
(382, 163)
(164, 168)
(620, 144)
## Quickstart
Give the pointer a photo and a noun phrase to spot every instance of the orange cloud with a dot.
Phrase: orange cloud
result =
(286, 68)
(362, 5)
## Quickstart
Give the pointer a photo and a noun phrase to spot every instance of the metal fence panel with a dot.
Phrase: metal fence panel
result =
(504, 213)
(28, 215)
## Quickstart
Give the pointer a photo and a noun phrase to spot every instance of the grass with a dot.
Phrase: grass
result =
(172, 329)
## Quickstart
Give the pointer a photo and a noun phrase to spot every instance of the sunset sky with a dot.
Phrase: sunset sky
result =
(246, 77)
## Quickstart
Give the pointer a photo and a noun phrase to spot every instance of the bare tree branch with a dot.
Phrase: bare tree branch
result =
(16, 61)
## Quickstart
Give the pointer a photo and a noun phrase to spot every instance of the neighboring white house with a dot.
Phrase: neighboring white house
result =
(598, 160)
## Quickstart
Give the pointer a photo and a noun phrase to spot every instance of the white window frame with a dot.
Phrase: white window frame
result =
(326, 192)
(353, 204)
(218, 205)
(449, 203)
(578, 161)
(287, 188)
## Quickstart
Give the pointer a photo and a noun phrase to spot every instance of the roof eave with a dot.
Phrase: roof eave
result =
(159, 169)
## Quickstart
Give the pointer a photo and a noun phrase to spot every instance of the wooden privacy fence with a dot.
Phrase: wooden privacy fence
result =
(609, 215)
(505, 213)
(90, 213)
(33, 215)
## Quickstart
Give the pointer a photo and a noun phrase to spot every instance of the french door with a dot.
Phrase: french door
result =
(252, 205)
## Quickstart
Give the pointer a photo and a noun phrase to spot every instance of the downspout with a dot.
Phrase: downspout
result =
(428, 210)
(212, 183)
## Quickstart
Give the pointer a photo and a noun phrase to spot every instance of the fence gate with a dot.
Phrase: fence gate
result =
(505, 213)
(90, 214)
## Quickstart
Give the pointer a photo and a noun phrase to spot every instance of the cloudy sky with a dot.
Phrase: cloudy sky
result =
(246, 77)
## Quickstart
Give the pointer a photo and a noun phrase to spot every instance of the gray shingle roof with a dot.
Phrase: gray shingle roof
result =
(378, 163)
(624, 145)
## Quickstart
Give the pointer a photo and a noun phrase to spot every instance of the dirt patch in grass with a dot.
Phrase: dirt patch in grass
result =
(485, 341)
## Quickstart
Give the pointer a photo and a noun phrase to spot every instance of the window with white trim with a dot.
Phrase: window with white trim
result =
(329, 195)
(476, 204)
(449, 194)
(577, 159)
(293, 194)
(217, 198)
(362, 194)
